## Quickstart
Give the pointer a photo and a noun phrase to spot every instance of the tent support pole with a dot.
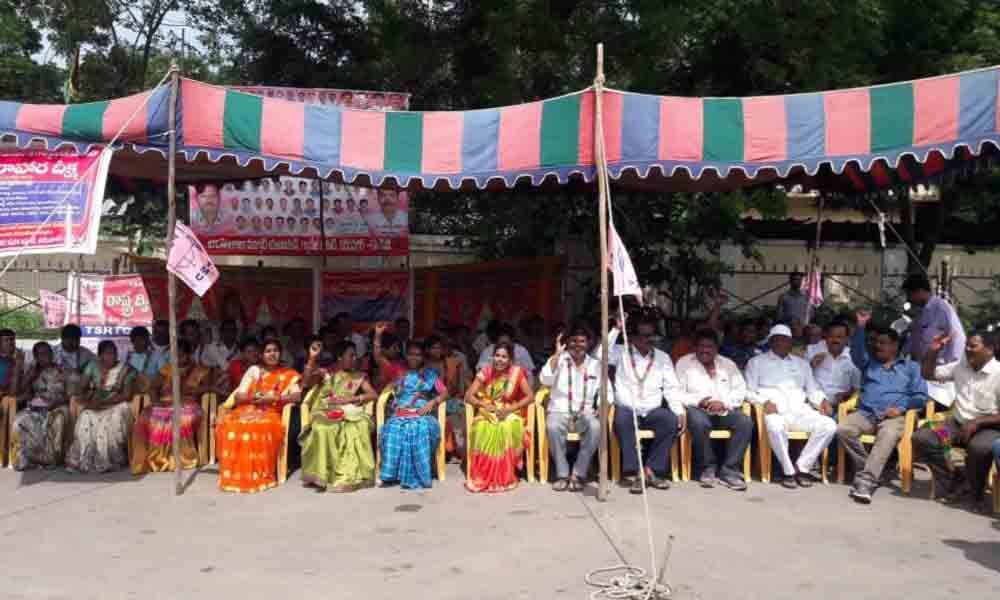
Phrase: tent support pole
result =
(602, 211)
(175, 374)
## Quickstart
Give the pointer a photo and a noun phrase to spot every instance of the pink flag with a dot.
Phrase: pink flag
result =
(53, 309)
(814, 290)
(189, 261)
(626, 282)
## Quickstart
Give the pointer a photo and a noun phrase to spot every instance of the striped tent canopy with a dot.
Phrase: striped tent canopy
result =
(857, 139)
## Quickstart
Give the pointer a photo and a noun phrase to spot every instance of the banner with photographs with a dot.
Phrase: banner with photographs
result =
(294, 216)
(356, 99)
(368, 296)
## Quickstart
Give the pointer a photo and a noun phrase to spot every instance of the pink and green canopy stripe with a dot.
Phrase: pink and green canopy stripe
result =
(91, 122)
(902, 126)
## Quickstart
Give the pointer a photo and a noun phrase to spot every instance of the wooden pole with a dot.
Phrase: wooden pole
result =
(175, 374)
(813, 258)
(602, 211)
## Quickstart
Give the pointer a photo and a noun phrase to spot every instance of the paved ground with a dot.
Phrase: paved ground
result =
(114, 537)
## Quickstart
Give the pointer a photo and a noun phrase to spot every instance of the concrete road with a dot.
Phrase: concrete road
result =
(111, 537)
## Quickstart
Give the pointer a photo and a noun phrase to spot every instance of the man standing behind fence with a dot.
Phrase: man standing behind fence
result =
(938, 318)
(792, 304)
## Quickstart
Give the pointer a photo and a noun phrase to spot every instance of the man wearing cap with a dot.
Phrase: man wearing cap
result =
(937, 317)
(783, 384)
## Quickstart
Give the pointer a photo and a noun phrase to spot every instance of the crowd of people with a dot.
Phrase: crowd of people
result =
(694, 378)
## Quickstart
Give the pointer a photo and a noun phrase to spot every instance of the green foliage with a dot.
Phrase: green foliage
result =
(27, 323)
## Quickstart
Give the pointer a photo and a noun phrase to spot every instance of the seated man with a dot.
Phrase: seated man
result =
(713, 390)
(832, 366)
(644, 380)
(784, 385)
(744, 347)
(574, 380)
(974, 423)
(889, 387)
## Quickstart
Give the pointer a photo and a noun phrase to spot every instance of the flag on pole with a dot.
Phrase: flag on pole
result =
(189, 261)
(814, 288)
(626, 283)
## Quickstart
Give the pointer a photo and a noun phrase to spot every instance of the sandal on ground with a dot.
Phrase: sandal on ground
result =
(575, 485)
(635, 487)
(658, 483)
(560, 485)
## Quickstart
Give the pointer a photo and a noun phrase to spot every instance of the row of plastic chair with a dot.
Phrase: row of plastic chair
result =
(536, 426)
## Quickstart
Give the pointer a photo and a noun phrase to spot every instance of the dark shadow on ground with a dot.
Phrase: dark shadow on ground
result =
(60, 475)
(986, 554)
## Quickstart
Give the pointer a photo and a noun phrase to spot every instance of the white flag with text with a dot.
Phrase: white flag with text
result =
(626, 282)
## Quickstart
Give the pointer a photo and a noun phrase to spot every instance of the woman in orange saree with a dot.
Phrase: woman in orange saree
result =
(498, 435)
(250, 437)
(152, 436)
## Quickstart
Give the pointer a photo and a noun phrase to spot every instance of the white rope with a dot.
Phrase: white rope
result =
(62, 204)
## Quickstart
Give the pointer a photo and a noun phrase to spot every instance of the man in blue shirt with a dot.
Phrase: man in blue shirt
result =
(889, 387)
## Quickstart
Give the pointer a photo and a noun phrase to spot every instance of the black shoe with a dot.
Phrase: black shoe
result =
(803, 480)
(788, 482)
(733, 481)
(862, 491)
(636, 486)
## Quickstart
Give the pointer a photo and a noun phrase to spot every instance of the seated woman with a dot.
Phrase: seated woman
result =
(100, 439)
(411, 433)
(498, 437)
(337, 446)
(249, 356)
(451, 369)
(39, 429)
(153, 434)
(249, 438)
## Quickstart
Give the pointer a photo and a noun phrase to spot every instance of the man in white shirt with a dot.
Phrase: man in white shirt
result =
(522, 358)
(227, 349)
(644, 380)
(783, 384)
(833, 369)
(343, 325)
(974, 423)
(713, 390)
(574, 380)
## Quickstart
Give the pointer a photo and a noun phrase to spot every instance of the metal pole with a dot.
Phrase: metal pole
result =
(175, 374)
(602, 211)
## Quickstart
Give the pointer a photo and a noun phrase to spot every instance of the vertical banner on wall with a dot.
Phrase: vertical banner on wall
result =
(39, 190)
(109, 307)
(368, 296)
(54, 309)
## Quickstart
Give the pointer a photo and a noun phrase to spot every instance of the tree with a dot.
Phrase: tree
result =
(20, 76)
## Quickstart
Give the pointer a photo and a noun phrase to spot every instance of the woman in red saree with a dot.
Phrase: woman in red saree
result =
(498, 436)
(250, 437)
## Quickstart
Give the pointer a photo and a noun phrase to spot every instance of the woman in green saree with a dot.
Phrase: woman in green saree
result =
(336, 446)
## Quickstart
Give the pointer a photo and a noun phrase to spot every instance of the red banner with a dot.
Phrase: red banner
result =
(109, 306)
(368, 296)
(251, 296)
(42, 192)
(293, 216)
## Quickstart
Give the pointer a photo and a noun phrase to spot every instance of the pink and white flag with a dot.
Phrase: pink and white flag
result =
(814, 288)
(53, 309)
(626, 282)
(189, 261)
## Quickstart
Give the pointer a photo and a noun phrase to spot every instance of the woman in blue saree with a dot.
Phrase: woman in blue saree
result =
(411, 432)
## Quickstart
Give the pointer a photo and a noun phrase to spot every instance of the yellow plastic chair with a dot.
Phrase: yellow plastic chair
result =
(8, 409)
(541, 397)
(904, 448)
(383, 402)
(644, 434)
(715, 434)
(529, 425)
(764, 444)
(286, 419)
(995, 478)
(206, 443)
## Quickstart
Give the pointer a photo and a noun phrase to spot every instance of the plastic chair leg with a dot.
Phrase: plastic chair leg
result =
(686, 456)
(530, 462)
(543, 446)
